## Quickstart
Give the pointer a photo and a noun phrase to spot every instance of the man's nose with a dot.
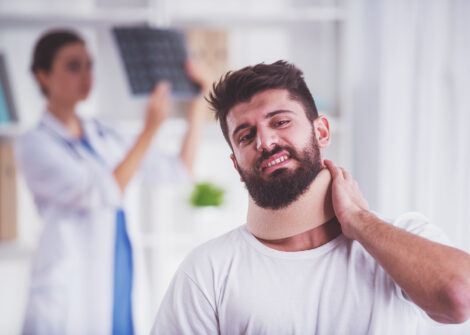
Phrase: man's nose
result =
(266, 140)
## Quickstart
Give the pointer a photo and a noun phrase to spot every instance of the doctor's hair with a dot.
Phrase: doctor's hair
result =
(48, 45)
(240, 86)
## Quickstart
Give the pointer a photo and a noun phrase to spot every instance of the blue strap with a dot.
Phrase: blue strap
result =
(123, 269)
(122, 307)
(86, 144)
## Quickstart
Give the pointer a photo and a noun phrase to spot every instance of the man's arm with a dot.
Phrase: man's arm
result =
(434, 276)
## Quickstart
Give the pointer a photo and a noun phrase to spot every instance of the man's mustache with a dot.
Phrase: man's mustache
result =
(266, 154)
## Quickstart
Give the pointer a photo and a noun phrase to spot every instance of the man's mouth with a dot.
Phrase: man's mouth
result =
(275, 161)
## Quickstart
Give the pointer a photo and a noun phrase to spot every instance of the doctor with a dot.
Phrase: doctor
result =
(83, 274)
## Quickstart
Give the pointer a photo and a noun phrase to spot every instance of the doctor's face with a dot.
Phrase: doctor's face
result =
(70, 77)
(276, 149)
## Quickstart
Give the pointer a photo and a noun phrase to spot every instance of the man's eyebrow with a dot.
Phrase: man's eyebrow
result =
(267, 116)
(240, 127)
(279, 111)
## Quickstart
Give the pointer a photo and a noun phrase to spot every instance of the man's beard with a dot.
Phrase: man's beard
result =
(283, 186)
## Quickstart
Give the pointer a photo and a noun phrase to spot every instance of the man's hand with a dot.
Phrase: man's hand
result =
(348, 201)
(433, 276)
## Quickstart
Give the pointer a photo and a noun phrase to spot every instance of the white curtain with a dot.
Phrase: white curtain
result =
(411, 108)
(410, 101)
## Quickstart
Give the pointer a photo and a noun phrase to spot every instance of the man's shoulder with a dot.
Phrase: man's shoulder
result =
(215, 252)
(408, 221)
(418, 224)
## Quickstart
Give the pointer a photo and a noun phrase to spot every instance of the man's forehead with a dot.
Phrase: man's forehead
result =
(263, 102)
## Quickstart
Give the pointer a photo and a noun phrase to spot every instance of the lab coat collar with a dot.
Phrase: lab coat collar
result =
(50, 121)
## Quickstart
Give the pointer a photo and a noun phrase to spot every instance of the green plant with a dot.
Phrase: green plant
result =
(206, 194)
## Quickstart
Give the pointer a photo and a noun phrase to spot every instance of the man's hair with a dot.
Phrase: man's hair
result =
(240, 86)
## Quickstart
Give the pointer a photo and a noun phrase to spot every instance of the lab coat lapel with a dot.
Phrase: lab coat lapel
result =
(53, 124)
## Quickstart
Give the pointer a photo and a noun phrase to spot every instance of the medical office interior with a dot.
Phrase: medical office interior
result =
(391, 76)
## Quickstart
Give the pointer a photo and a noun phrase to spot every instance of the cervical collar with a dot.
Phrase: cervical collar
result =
(311, 210)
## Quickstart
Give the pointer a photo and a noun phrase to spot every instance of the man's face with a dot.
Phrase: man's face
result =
(275, 148)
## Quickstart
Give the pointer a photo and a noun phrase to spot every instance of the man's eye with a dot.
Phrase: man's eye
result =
(247, 137)
(282, 122)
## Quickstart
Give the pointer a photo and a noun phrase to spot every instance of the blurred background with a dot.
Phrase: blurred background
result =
(391, 76)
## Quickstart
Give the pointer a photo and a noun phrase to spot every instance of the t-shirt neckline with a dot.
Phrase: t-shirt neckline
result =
(312, 253)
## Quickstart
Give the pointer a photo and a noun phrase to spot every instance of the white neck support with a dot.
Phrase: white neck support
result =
(311, 210)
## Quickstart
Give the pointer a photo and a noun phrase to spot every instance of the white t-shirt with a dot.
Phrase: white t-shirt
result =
(236, 285)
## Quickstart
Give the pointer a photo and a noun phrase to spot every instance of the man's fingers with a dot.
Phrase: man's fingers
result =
(334, 170)
(346, 174)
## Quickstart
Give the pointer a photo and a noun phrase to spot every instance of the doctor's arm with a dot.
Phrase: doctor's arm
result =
(195, 118)
(56, 176)
(158, 110)
(434, 276)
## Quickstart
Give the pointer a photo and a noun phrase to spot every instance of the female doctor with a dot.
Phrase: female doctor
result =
(78, 171)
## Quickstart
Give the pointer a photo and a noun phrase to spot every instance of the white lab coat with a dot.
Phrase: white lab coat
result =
(71, 289)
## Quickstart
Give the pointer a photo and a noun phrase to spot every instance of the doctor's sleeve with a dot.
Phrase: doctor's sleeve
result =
(185, 309)
(159, 167)
(55, 175)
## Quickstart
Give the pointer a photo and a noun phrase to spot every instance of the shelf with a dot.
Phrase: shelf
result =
(11, 130)
(190, 19)
(235, 19)
(94, 17)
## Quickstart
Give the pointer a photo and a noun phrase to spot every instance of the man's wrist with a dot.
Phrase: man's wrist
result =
(358, 221)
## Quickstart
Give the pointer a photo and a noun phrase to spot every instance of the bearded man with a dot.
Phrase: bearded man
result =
(312, 258)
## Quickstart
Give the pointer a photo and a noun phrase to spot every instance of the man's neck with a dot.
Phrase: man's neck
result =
(305, 224)
(308, 240)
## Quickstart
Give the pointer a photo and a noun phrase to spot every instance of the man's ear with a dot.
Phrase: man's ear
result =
(235, 165)
(322, 131)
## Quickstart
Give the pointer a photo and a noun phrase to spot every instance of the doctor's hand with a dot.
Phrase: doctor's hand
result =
(200, 75)
(198, 106)
(158, 107)
(348, 201)
(197, 111)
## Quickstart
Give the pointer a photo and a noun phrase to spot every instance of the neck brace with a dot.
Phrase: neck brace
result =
(311, 210)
